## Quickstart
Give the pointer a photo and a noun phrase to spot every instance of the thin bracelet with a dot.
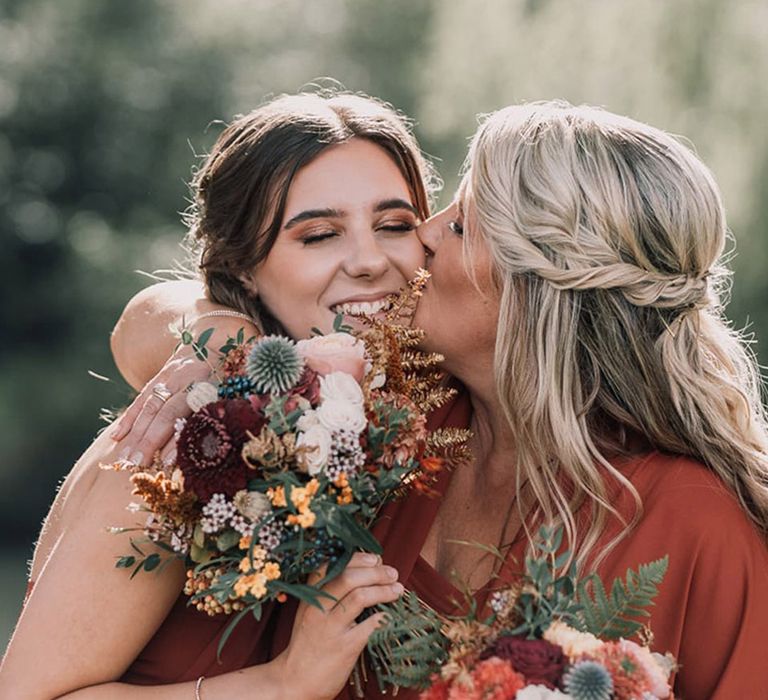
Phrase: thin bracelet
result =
(199, 685)
(225, 313)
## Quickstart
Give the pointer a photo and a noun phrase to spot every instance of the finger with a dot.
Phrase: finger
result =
(349, 608)
(358, 635)
(150, 406)
(122, 426)
(168, 453)
(358, 577)
(163, 424)
(363, 559)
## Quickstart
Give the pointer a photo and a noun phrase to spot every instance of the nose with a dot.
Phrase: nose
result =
(365, 257)
(430, 234)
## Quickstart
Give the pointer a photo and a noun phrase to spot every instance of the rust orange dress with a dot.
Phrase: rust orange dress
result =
(711, 613)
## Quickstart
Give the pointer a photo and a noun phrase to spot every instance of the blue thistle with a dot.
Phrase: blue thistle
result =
(273, 365)
(588, 680)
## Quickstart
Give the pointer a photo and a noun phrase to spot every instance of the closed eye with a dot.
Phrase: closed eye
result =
(398, 228)
(318, 237)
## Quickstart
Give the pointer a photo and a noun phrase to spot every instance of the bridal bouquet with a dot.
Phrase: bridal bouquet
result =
(285, 463)
(553, 638)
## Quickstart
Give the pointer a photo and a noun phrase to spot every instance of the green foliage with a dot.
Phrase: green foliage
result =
(549, 593)
(610, 616)
(552, 592)
(142, 562)
(409, 647)
(339, 326)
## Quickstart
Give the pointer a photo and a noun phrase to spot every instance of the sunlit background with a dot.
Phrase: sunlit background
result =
(103, 106)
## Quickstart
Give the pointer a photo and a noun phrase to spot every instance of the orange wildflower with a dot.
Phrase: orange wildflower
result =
(271, 571)
(345, 497)
(305, 519)
(277, 496)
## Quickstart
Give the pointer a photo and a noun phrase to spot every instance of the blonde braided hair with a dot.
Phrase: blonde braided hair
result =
(607, 237)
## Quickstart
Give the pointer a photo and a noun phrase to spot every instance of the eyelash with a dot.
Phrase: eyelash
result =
(404, 227)
(456, 227)
(316, 238)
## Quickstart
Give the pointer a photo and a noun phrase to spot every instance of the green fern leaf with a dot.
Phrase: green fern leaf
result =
(612, 616)
(410, 647)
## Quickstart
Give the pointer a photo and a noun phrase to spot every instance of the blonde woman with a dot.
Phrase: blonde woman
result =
(576, 292)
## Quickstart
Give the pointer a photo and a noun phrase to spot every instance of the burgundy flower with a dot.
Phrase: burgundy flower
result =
(210, 447)
(539, 661)
(308, 386)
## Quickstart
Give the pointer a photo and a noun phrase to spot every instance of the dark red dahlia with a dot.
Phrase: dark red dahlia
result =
(210, 447)
(308, 386)
(541, 662)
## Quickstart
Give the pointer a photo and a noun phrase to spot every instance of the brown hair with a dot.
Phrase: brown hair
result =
(240, 192)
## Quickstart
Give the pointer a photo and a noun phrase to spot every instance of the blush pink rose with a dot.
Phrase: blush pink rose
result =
(337, 352)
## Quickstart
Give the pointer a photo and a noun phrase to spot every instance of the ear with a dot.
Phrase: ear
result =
(248, 280)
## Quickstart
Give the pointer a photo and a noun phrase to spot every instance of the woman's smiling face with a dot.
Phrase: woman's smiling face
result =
(347, 240)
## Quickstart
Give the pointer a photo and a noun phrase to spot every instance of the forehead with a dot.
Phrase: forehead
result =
(352, 175)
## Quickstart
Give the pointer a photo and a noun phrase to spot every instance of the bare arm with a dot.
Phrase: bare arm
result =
(142, 341)
(145, 351)
(86, 621)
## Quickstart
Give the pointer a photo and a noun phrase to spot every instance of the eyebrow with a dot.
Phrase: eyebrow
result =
(396, 204)
(314, 214)
(384, 205)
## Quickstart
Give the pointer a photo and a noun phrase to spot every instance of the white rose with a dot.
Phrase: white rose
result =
(340, 386)
(541, 692)
(307, 421)
(317, 441)
(201, 394)
(335, 414)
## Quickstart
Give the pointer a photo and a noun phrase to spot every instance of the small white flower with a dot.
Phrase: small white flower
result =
(201, 394)
(335, 415)
(340, 386)
(317, 441)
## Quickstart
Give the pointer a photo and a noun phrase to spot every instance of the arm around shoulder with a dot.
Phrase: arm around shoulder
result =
(86, 621)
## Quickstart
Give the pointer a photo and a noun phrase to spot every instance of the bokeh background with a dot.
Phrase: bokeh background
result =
(103, 106)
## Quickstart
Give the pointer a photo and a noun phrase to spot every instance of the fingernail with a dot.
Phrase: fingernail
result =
(391, 572)
(116, 432)
(371, 559)
(137, 457)
(170, 458)
(124, 454)
(397, 588)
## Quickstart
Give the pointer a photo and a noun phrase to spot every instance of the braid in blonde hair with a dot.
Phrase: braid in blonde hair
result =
(606, 235)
